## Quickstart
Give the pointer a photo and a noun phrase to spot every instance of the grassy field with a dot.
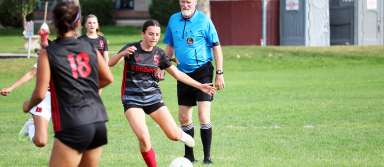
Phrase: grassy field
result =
(282, 106)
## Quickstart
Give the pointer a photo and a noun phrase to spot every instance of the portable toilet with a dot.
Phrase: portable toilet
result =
(370, 22)
(304, 22)
(358, 22)
(342, 22)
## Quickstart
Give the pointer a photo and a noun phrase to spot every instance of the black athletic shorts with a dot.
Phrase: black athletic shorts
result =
(84, 137)
(187, 95)
(147, 109)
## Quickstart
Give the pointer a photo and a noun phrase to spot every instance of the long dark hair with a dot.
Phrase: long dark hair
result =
(65, 17)
(150, 22)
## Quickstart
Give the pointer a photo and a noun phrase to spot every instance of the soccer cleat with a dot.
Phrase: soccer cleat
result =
(207, 161)
(192, 159)
(187, 139)
(28, 129)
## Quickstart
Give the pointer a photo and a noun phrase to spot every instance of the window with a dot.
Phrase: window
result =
(124, 4)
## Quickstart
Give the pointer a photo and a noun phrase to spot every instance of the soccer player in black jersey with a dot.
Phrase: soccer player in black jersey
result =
(74, 71)
(141, 93)
(95, 36)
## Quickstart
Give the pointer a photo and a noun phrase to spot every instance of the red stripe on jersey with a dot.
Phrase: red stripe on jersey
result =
(55, 108)
(124, 78)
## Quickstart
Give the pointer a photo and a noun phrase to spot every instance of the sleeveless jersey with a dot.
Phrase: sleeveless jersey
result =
(140, 86)
(74, 84)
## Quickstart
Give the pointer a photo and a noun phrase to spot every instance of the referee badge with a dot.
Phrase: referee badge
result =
(190, 40)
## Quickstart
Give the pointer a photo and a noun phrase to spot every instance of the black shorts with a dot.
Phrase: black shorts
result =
(187, 95)
(147, 109)
(84, 137)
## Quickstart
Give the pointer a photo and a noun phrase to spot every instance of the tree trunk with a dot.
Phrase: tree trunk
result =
(203, 5)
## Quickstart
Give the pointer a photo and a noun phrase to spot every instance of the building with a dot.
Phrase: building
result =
(127, 12)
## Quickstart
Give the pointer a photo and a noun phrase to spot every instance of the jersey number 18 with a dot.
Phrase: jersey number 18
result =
(79, 64)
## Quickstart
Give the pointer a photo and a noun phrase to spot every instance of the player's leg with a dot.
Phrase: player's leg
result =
(91, 157)
(166, 122)
(41, 131)
(204, 110)
(41, 115)
(136, 120)
(64, 156)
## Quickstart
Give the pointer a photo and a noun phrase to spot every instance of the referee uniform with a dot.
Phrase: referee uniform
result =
(192, 40)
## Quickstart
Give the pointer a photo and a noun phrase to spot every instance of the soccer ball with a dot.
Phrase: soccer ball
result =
(181, 162)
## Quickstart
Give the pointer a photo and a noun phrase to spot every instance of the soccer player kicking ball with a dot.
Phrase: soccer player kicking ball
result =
(141, 91)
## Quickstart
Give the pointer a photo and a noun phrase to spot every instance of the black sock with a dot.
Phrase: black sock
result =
(206, 139)
(188, 151)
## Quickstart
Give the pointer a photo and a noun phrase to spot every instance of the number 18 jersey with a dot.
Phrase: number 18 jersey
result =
(74, 84)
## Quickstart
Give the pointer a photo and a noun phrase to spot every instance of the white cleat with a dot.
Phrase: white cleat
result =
(187, 139)
(28, 129)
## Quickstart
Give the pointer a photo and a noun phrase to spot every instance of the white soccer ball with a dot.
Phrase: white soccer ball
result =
(181, 162)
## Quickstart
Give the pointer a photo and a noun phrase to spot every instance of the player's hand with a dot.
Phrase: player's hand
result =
(219, 82)
(44, 33)
(128, 51)
(5, 91)
(159, 74)
(26, 106)
(208, 88)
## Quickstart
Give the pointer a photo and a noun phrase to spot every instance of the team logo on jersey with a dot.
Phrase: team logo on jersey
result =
(156, 59)
(101, 43)
(190, 40)
(138, 58)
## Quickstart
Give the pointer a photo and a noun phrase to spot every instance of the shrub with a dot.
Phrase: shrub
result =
(103, 9)
(11, 13)
(161, 10)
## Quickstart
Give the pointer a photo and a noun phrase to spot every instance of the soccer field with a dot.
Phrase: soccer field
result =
(282, 106)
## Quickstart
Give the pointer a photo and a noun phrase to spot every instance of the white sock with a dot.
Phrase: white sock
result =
(31, 131)
(187, 139)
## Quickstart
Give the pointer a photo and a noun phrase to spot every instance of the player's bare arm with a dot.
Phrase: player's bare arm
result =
(118, 57)
(25, 78)
(207, 88)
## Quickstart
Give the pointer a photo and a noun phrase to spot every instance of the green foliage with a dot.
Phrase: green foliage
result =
(161, 10)
(103, 9)
(10, 12)
(13, 11)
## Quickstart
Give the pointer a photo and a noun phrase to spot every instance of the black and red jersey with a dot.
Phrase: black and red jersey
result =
(74, 84)
(140, 86)
(99, 43)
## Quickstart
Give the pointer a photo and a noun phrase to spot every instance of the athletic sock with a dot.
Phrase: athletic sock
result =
(188, 151)
(206, 139)
(150, 158)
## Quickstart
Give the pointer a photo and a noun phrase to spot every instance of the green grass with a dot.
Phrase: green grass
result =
(282, 106)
